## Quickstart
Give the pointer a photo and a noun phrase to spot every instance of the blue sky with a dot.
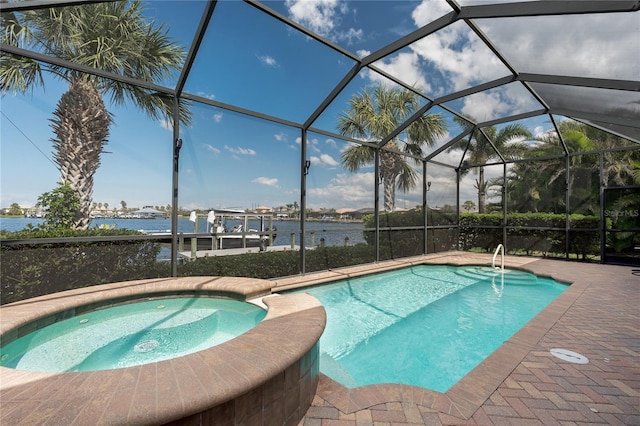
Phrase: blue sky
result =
(252, 61)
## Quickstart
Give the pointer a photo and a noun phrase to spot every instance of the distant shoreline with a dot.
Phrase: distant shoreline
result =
(333, 232)
(308, 219)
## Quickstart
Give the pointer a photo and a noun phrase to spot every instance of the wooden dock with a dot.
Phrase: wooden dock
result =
(235, 251)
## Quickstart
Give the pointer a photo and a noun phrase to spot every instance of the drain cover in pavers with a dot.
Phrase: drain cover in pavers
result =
(570, 356)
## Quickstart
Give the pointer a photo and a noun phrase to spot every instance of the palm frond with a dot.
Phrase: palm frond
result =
(407, 178)
(356, 157)
(110, 36)
(427, 129)
(19, 74)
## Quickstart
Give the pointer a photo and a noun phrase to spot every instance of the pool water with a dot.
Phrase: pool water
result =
(131, 334)
(425, 325)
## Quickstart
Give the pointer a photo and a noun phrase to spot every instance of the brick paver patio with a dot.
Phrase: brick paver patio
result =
(522, 383)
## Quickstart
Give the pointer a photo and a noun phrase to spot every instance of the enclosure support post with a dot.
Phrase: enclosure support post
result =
(177, 144)
(457, 209)
(376, 205)
(504, 206)
(603, 222)
(425, 189)
(567, 221)
(304, 171)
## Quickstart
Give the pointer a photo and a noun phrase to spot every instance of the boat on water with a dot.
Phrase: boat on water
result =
(240, 235)
(230, 229)
(227, 229)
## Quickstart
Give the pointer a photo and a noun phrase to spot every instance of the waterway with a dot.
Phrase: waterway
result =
(331, 233)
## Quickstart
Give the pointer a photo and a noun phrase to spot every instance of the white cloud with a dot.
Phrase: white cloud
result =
(328, 160)
(280, 137)
(461, 57)
(449, 60)
(443, 187)
(485, 106)
(266, 181)
(590, 45)
(206, 95)
(344, 190)
(428, 11)
(240, 151)
(500, 102)
(269, 61)
(211, 148)
(351, 35)
(313, 144)
(324, 159)
(406, 67)
(556, 45)
(318, 16)
(362, 53)
(323, 17)
(166, 124)
(217, 117)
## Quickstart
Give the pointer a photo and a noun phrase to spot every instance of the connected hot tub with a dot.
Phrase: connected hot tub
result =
(265, 369)
(132, 333)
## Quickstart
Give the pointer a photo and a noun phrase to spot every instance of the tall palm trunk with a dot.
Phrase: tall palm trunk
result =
(389, 184)
(390, 169)
(482, 190)
(81, 126)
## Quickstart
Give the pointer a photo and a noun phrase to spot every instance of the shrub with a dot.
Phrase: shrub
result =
(484, 232)
(30, 270)
(397, 243)
(275, 264)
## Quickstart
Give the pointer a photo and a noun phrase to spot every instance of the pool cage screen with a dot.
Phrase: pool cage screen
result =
(532, 152)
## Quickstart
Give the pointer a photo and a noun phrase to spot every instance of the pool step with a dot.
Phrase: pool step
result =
(511, 276)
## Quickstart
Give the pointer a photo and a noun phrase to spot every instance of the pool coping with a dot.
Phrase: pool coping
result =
(464, 398)
(167, 390)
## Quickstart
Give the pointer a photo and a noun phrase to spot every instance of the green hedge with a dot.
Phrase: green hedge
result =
(484, 232)
(275, 264)
(475, 232)
(30, 270)
(396, 243)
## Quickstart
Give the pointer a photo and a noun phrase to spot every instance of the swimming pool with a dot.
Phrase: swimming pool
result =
(131, 334)
(426, 325)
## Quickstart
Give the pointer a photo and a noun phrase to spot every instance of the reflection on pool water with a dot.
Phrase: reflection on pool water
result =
(426, 325)
(131, 334)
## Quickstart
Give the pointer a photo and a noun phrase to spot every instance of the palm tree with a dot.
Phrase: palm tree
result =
(111, 36)
(468, 205)
(374, 114)
(506, 140)
(618, 166)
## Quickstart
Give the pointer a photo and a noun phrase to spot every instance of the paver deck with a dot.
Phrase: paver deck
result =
(522, 383)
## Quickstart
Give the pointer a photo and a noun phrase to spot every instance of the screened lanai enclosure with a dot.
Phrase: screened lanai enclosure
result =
(334, 132)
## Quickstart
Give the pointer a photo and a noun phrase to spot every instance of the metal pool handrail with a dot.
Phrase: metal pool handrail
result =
(493, 262)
